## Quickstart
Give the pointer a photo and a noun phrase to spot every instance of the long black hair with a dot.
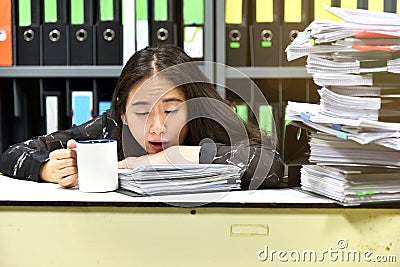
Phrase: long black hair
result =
(154, 60)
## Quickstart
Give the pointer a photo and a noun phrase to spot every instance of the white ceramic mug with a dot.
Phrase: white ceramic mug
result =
(97, 165)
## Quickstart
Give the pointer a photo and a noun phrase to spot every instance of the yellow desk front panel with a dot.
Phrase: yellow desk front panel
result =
(206, 236)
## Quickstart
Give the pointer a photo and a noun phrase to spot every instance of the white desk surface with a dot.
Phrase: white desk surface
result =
(19, 190)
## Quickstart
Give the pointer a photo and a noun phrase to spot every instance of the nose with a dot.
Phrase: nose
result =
(156, 124)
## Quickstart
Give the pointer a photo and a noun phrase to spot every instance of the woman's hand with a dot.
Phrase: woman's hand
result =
(171, 155)
(61, 168)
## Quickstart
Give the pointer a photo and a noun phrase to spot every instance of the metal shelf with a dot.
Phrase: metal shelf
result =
(267, 72)
(64, 71)
(59, 71)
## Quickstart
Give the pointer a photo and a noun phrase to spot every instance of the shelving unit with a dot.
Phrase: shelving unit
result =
(214, 51)
(29, 77)
(60, 71)
(69, 71)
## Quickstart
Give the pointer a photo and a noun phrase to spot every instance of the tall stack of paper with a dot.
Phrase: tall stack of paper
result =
(352, 184)
(356, 126)
(165, 179)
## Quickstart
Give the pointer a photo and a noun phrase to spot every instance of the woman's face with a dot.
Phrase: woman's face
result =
(156, 114)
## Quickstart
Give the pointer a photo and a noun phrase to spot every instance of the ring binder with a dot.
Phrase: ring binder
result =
(6, 46)
(165, 23)
(54, 38)
(81, 32)
(28, 37)
(109, 33)
(237, 33)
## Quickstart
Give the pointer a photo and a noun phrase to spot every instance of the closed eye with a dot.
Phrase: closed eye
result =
(142, 113)
(171, 111)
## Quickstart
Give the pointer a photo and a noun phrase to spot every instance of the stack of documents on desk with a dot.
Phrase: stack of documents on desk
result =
(165, 179)
(330, 150)
(357, 122)
(361, 130)
(352, 184)
(357, 47)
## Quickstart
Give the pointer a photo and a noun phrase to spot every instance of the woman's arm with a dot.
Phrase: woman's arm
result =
(262, 166)
(171, 155)
(24, 160)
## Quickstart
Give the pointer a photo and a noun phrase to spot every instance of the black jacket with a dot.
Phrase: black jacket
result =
(260, 164)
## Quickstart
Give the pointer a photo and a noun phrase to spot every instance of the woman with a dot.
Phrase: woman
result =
(163, 111)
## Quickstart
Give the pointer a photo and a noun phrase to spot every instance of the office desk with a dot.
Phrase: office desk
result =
(44, 225)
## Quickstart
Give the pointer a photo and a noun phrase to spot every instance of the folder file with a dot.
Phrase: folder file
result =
(319, 12)
(102, 94)
(296, 17)
(266, 119)
(242, 112)
(1, 127)
(142, 24)
(28, 37)
(164, 22)
(54, 32)
(376, 5)
(362, 4)
(352, 4)
(6, 34)
(82, 107)
(193, 31)
(128, 29)
(103, 106)
(391, 6)
(237, 33)
(109, 33)
(53, 110)
(264, 33)
(81, 32)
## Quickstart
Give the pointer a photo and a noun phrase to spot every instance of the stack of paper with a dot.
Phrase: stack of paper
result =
(327, 149)
(164, 179)
(357, 46)
(352, 184)
(357, 122)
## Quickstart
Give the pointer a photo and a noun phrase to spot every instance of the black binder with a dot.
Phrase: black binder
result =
(264, 33)
(165, 22)
(54, 32)
(28, 37)
(109, 33)
(81, 33)
(390, 6)
(237, 33)
(294, 20)
(362, 4)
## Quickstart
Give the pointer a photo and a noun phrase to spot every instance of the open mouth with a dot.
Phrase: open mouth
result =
(158, 145)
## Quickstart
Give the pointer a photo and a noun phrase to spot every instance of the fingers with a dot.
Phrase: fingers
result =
(122, 164)
(62, 154)
(62, 166)
(71, 144)
(69, 181)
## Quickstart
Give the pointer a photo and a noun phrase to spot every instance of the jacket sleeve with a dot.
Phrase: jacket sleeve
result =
(262, 167)
(23, 160)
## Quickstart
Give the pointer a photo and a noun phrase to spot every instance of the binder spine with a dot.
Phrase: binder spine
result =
(81, 32)
(164, 22)
(237, 34)
(265, 47)
(55, 34)
(109, 36)
(6, 33)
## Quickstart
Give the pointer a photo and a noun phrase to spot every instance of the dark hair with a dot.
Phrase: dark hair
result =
(154, 60)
